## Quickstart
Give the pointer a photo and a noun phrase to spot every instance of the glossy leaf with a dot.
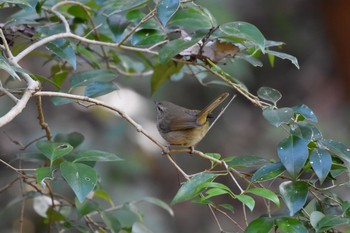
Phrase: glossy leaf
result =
(95, 89)
(329, 222)
(85, 77)
(166, 9)
(291, 225)
(64, 50)
(147, 37)
(190, 189)
(260, 225)
(245, 31)
(117, 24)
(54, 150)
(294, 195)
(293, 153)
(291, 58)
(163, 72)
(277, 117)
(246, 200)
(306, 131)
(321, 162)
(247, 161)
(306, 112)
(315, 218)
(268, 172)
(122, 5)
(191, 17)
(80, 177)
(174, 47)
(265, 193)
(269, 94)
(42, 174)
(338, 149)
(78, 12)
(96, 155)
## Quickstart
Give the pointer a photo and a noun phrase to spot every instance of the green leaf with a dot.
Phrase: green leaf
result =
(78, 12)
(166, 9)
(293, 153)
(315, 217)
(321, 162)
(56, 100)
(191, 17)
(160, 203)
(265, 193)
(112, 221)
(163, 72)
(103, 195)
(294, 195)
(18, 2)
(117, 23)
(260, 225)
(86, 77)
(42, 174)
(215, 189)
(80, 177)
(268, 172)
(147, 37)
(247, 161)
(245, 31)
(277, 117)
(291, 225)
(291, 58)
(96, 155)
(329, 222)
(306, 131)
(90, 56)
(85, 207)
(246, 200)
(64, 50)
(306, 112)
(54, 150)
(74, 138)
(190, 189)
(337, 148)
(269, 94)
(174, 47)
(122, 5)
(95, 89)
(4, 65)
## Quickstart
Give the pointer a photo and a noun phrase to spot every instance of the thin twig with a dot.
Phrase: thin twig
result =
(41, 119)
(9, 94)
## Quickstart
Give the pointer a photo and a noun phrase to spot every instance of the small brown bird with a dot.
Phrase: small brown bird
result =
(182, 126)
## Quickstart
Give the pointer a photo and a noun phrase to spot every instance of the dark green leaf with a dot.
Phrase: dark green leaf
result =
(291, 58)
(277, 117)
(96, 155)
(95, 89)
(246, 200)
(228, 207)
(166, 9)
(190, 189)
(191, 18)
(78, 12)
(117, 23)
(294, 195)
(306, 112)
(41, 174)
(245, 31)
(176, 46)
(321, 162)
(329, 222)
(269, 94)
(90, 56)
(122, 5)
(293, 153)
(163, 72)
(337, 148)
(85, 77)
(74, 138)
(54, 150)
(147, 37)
(260, 225)
(85, 207)
(80, 177)
(291, 225)
(268, 172)
(112, 221)
(265, 193)
(306, 131)
(64, 50)
(247, 161)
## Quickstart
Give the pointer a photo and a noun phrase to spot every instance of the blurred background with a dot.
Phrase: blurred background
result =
(316, 32)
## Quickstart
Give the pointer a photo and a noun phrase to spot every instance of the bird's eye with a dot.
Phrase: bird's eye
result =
(160, 108)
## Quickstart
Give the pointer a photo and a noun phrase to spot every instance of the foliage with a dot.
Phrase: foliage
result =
(165, 39)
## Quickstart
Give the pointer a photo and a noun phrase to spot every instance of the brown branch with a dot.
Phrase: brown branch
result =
(41, 119)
